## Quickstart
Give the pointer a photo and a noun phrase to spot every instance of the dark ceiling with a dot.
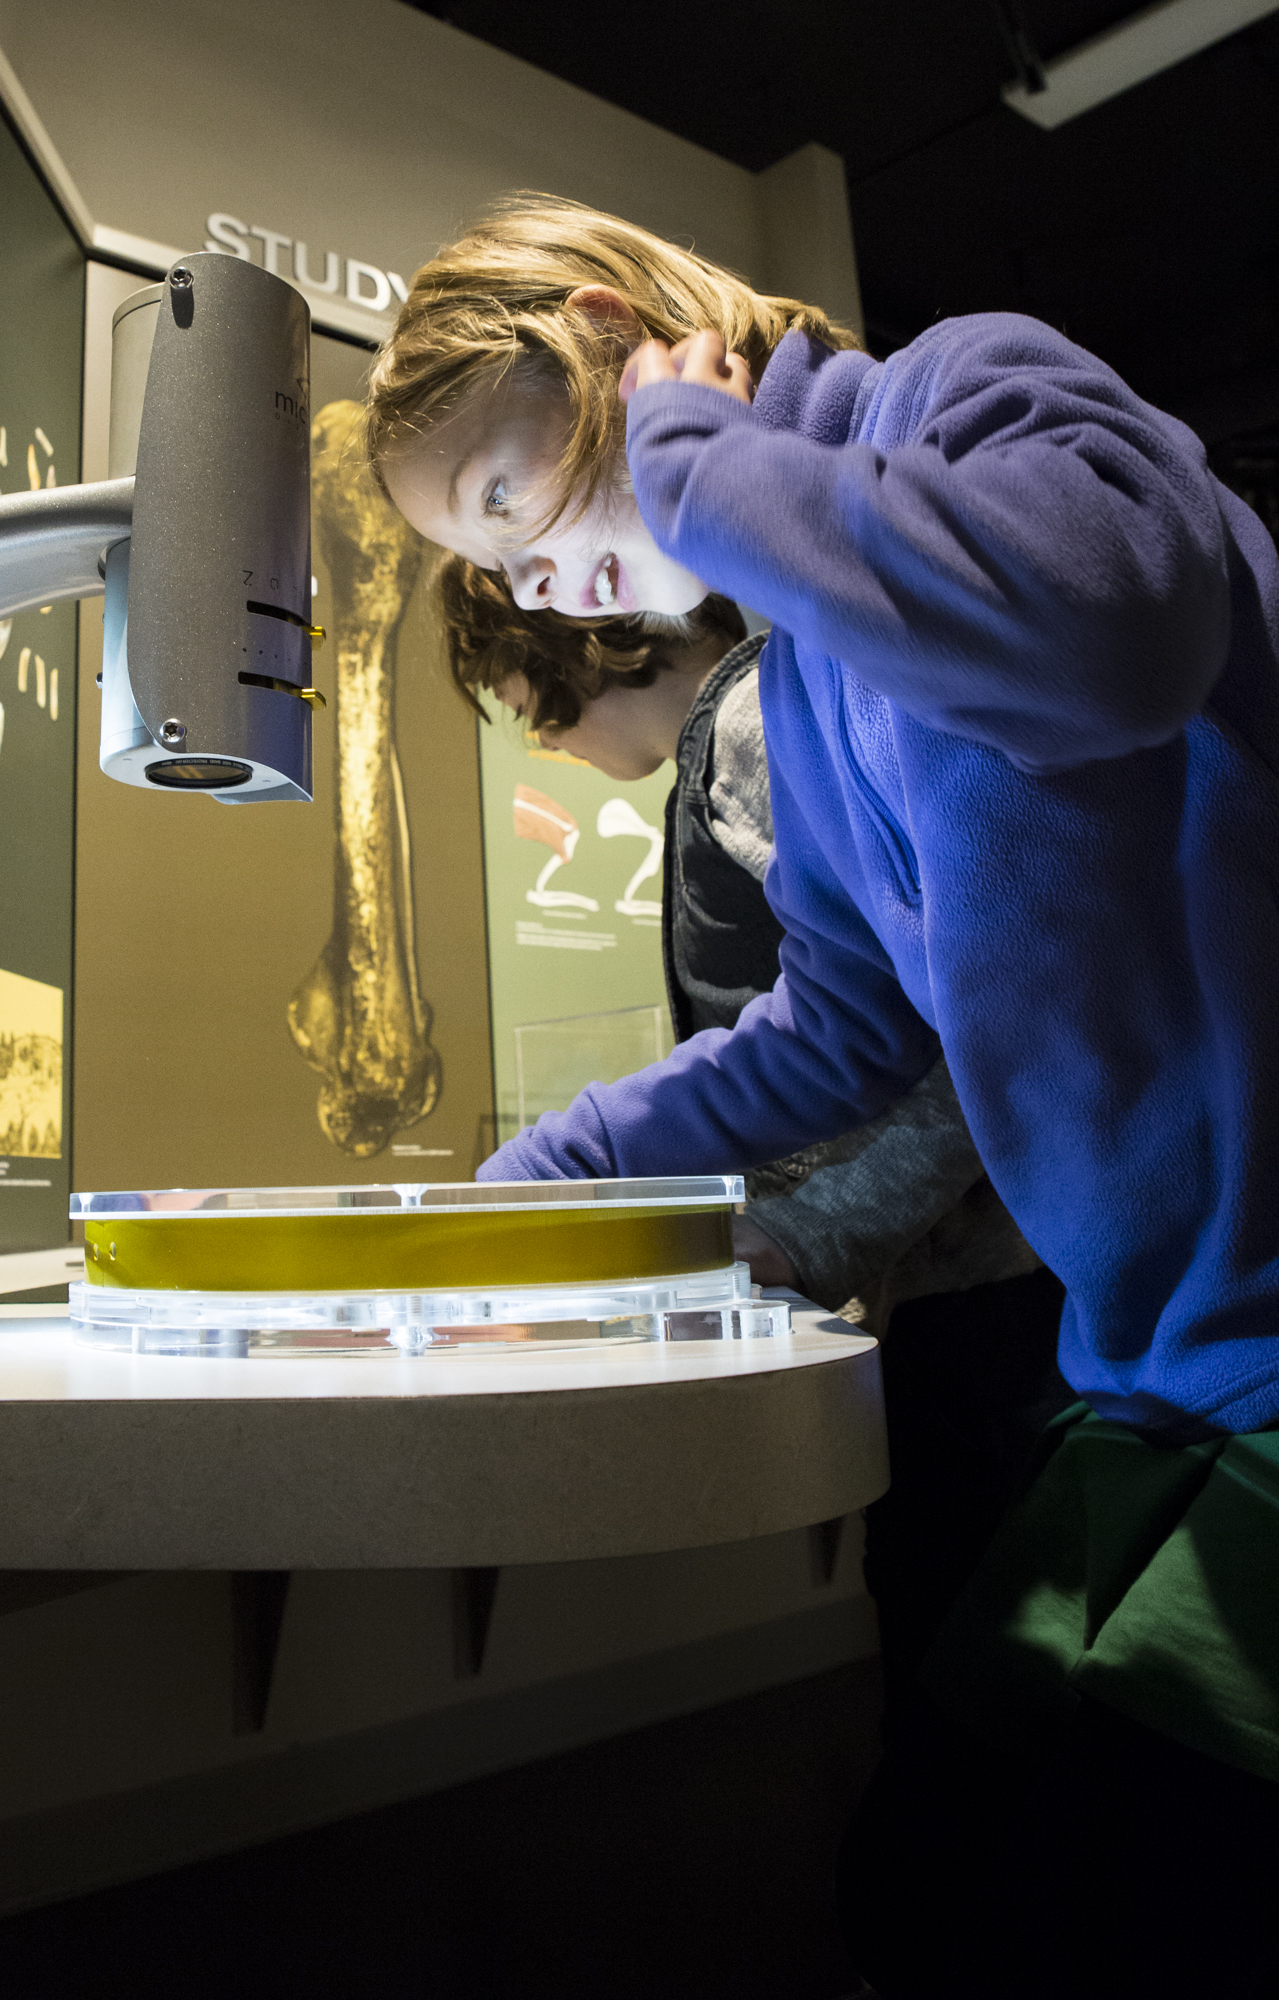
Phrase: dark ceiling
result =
(1148, 228)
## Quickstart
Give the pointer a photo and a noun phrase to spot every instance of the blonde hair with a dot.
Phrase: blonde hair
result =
(493, 305)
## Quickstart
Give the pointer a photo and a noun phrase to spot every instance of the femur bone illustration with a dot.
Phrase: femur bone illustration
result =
(538, 817)
(618, 816)
(359, 1017)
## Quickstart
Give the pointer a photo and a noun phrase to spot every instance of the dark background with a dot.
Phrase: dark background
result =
(689, 1861)
(1147, 229)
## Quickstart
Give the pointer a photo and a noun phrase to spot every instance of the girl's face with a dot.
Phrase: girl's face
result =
(471, 481)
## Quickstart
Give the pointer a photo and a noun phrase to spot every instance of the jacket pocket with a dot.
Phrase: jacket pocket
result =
(896, 842)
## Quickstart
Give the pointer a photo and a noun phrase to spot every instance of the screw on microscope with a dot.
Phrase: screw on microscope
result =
(172, 731)
(180, 278)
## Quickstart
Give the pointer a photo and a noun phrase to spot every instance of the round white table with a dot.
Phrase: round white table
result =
(452, 1460)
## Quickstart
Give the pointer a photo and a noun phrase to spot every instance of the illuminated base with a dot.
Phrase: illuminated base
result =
(702, 1305)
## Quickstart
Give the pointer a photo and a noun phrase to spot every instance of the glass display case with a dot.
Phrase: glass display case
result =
(414, 1268)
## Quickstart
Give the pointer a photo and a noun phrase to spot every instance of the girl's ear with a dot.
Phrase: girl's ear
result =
(607, 312)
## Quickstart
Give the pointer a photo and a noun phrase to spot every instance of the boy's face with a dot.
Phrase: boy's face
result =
(470, 481)
(628, 732)
(620, 733)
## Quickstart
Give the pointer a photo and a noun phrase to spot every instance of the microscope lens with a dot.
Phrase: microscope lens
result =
(199, 774)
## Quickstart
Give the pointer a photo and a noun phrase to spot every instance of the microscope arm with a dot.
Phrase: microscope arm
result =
(52, 543)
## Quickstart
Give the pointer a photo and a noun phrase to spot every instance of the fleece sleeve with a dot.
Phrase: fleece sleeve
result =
(833, 1043)
(1037, 563)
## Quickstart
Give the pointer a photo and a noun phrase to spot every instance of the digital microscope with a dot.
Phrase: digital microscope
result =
(200, 538)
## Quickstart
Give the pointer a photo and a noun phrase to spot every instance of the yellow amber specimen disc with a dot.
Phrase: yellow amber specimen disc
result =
(405, 1249)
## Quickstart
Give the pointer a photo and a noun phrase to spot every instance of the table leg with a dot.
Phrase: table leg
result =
(823, 1549)
(257, 1613)
(473, 1593)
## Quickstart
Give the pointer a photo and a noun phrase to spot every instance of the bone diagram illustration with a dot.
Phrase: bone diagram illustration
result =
(359, 1017)
(618, 816)
(544, 819)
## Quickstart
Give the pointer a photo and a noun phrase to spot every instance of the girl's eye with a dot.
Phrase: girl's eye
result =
(495, 498)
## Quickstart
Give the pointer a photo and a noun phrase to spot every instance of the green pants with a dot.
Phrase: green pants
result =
(1141, 1575)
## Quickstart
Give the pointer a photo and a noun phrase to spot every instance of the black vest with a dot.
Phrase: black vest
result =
(719, 937)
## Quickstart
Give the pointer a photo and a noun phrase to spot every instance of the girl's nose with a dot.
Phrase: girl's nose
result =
(533, 582)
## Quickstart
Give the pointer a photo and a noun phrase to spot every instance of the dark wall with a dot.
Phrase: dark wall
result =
(1147, 229)
(41, 341)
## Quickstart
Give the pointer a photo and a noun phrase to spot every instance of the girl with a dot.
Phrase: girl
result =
(1022, 707)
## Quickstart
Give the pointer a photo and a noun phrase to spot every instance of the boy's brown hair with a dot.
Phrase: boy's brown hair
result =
(494, 305)
(565, 661)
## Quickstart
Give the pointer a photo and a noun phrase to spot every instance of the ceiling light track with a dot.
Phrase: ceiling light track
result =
(1140, 47)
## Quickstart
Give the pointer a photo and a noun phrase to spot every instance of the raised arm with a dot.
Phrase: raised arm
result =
(1023, 553)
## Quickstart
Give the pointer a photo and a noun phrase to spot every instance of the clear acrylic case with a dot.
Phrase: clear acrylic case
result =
(414, 1269)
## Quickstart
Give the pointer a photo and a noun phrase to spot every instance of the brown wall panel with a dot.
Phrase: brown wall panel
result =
(196, 921)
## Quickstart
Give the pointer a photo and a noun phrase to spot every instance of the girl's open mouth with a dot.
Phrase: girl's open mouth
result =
(602, 590)
(609, 589)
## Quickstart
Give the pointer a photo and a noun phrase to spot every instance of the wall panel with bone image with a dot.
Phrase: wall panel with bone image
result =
(293, 993)
(302, 993)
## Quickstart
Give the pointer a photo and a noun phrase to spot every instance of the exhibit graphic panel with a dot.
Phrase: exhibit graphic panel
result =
(41, 334)
(573, 865)
(31, 1016)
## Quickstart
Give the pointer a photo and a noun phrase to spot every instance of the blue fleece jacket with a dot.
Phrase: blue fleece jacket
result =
(1022, 707)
